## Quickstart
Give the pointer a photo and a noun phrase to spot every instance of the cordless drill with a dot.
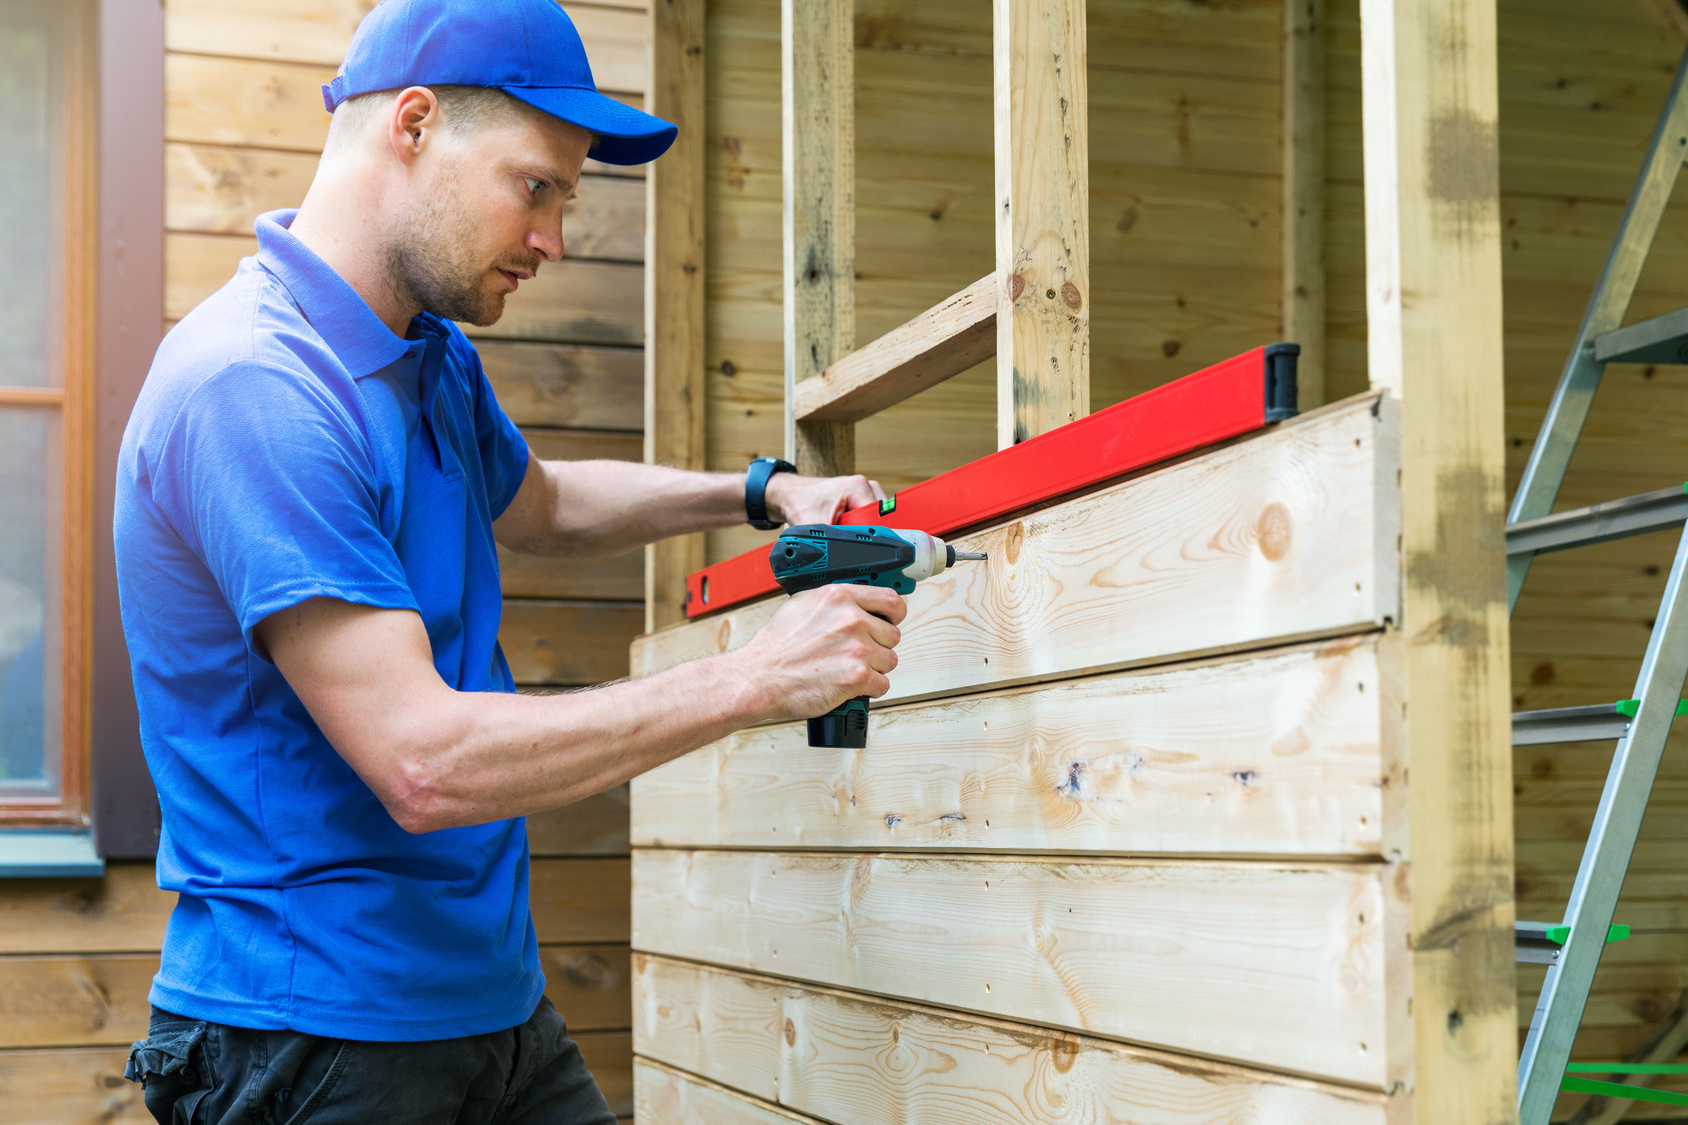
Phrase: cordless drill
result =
(821, 554)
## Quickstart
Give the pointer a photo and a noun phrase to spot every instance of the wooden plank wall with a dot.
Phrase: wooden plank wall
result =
(1067, 840)
(244, 127)
(1185, 255)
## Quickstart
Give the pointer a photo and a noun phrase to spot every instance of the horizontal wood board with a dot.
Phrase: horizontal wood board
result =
(79, 1000)
(663, 1094)
(845, 1057)
(571, 301)
(1279, 753)
(1279, 537)
(1292, 955)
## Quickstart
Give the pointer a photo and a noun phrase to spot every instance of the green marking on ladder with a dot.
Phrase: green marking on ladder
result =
(1558, 934)
(1627, 1068)
(1622, 1090)
(1629, 707)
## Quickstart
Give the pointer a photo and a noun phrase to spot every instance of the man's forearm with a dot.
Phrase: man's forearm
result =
(482, 757)
(602, 508)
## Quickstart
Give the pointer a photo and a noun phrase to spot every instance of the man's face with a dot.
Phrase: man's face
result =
(486, 210)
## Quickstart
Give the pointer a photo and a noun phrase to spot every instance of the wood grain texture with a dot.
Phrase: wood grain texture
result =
(580, 900)
(664, 1094)
(591, 985)
(566, 385)
(945, 340)
(568, 302)
(674, 397)
(1304, 193)
(75, 1000)
(1433, 231)
(818, 153)
(568, 643)
(594, 826)
(842, 1056)
(1122, 948)
(1274, 754)
(1043, 217)
(273, 105)
(83, 1000)
(319, 31)
(609, 1056)
(70, 1086)
(123, 912)
(1287, 535)
(620, 577)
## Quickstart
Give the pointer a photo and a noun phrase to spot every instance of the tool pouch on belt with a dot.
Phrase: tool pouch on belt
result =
(170, 1064)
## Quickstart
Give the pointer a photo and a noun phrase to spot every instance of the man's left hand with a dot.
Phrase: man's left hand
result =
(796, 499)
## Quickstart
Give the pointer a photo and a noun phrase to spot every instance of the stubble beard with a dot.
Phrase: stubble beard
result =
(433, 264)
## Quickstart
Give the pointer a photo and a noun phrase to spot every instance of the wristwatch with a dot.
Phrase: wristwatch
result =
(756, 490)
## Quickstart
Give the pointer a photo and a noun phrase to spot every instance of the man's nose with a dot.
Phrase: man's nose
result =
(547, 242)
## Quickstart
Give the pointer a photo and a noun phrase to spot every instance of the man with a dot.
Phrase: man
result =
(309, 495)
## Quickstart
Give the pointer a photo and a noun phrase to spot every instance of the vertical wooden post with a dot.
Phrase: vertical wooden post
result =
(1042, 219)
(674, 220)
(818, 130)
(1304, 192)
(1434, 341)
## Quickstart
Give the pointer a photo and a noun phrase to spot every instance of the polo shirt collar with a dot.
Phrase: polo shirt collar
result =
(343, 319)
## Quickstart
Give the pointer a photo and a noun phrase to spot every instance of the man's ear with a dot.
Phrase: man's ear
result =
(414, 118)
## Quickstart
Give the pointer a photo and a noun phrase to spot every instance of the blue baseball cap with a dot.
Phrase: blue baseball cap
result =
(527, 48)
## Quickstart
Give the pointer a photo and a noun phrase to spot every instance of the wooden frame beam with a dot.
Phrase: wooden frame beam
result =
(944, 340)
(818, 153)
(1042, 217)
(1433, 232)
(675, 419)
(1304, 193)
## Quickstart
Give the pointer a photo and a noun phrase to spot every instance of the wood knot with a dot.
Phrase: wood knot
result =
(1071, 297)
(1016, 286)
(1273, 531)
(588, 970)
(1063, 1050)
(729, 368)
(1170, 348)
(790, 1032)
(1016, 540)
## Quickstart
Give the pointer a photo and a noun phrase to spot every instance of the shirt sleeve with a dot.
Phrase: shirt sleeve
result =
(504, 452)
(269, 479)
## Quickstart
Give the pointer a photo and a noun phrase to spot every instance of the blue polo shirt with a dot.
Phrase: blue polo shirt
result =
(287, 445)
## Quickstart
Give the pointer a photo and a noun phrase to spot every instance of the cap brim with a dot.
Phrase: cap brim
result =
(625, 135)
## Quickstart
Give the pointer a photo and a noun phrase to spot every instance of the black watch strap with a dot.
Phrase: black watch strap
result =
(756, 490)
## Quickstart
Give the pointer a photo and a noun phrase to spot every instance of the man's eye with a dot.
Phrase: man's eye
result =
(533, 185)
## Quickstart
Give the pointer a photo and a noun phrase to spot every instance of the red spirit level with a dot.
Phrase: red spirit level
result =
(1208, 406)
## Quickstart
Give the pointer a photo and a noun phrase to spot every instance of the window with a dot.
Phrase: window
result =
(46, 408)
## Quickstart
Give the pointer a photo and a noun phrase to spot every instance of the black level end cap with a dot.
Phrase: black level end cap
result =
(1281, 360)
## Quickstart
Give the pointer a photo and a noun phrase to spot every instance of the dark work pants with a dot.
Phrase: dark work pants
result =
(199, 1073)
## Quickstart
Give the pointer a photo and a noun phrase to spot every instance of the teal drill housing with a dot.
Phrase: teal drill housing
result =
(819, 554)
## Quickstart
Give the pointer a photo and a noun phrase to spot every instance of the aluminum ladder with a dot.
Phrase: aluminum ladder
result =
(1640, 725)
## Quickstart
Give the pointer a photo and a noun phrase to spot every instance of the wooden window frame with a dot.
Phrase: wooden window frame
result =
(114, 316)
(73, 400)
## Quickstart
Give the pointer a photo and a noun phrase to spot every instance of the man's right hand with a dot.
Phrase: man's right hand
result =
(824, 646)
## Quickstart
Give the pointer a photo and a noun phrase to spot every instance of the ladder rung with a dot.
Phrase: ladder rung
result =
(1537, 943)
(1664, 339)
(1602, 722)
(1598, 523)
